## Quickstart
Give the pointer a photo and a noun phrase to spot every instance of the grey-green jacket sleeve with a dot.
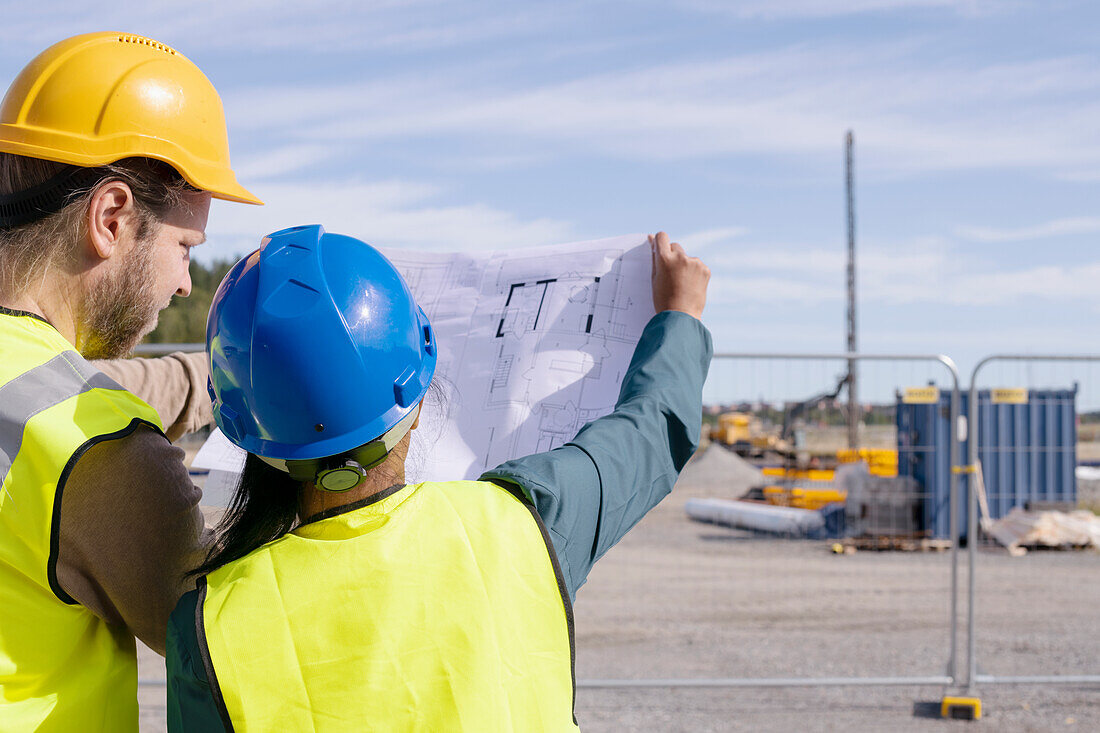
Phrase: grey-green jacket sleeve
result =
(191, 705)
(592, 490)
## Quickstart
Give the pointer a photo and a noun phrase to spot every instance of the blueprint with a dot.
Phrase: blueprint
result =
(533, 344)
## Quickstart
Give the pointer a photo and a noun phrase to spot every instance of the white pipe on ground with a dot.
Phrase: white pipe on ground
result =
(760, 517)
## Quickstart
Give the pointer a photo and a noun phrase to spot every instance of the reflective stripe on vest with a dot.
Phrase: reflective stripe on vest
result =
(64, 376)
(61, 667)
(434, 607)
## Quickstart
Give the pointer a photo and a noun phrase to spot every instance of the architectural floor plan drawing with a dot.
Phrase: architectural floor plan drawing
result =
(533, 344)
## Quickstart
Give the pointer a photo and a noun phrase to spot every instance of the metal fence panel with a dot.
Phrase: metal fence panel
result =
(1032, 613)
(710, 604)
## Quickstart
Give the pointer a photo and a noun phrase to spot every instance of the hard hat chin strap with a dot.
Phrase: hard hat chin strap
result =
(346, 470)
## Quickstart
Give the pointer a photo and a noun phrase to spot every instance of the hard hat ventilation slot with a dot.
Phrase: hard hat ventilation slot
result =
(142, 40)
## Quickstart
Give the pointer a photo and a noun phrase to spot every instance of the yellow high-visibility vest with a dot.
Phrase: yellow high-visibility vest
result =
(428, 607)
(62, 668)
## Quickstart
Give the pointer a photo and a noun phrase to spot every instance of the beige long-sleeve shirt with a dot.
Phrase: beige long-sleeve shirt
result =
(130, 524)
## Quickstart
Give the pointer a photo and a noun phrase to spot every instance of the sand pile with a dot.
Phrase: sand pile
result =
(718, 472)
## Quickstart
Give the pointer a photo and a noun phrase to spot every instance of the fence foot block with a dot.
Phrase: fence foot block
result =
(962, 708)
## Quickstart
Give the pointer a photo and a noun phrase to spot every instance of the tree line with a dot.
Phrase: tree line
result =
(184, 321)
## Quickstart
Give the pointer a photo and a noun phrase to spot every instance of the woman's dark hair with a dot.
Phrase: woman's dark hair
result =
(265, 505)
(264, 508)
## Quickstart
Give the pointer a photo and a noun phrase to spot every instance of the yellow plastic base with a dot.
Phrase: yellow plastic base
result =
(964, 708)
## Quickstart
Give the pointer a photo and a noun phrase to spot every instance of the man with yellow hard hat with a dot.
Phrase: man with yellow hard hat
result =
(111, 147)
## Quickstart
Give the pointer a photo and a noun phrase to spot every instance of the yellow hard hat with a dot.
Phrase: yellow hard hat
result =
(101, 97)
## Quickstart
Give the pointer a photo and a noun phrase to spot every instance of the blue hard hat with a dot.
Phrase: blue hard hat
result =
(316, 347)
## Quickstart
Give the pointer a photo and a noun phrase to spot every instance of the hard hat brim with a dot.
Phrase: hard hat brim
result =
(236, 193)
(218, 182)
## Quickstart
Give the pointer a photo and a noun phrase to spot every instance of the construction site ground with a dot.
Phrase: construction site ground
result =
(678, 599)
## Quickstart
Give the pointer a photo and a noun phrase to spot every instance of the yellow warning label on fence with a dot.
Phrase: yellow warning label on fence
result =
(1009, 396)
(921, 395)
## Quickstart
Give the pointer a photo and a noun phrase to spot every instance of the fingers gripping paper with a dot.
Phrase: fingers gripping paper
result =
(533, 344)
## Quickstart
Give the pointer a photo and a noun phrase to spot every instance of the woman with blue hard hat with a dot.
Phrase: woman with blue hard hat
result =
(338, 597)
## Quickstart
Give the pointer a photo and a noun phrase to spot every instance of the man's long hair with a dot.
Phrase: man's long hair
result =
(32, 250)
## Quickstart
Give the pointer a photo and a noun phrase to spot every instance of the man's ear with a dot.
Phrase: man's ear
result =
(110, 212)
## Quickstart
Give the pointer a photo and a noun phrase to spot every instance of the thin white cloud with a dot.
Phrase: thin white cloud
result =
(1047, 282)
(740, 291)
(318, 27)
(1079, 176)
(470, 162)
(278, 162)
(704, 241)
(913, 109)
(387, 214)
(1046, 230)
(765, 256)
(909, 114)
(928, 270)
(802, 9)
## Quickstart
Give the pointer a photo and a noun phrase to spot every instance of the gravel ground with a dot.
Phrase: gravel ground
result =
(677, 599)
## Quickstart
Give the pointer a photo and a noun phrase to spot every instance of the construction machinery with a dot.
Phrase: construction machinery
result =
(746, 435)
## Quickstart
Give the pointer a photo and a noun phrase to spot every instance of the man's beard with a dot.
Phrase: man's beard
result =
(118, 314)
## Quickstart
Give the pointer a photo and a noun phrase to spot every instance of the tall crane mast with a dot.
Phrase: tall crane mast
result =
(853, 391)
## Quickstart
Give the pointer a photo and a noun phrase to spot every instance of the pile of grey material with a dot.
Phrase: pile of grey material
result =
(717, 478)
(718, 472)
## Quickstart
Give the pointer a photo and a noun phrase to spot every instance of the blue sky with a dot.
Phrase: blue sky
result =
(459, 125)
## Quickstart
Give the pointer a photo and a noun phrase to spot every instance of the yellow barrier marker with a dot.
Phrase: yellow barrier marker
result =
(803, 498)
(1009, 396)
(964, 708)
(807, 474)
(921, 396)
